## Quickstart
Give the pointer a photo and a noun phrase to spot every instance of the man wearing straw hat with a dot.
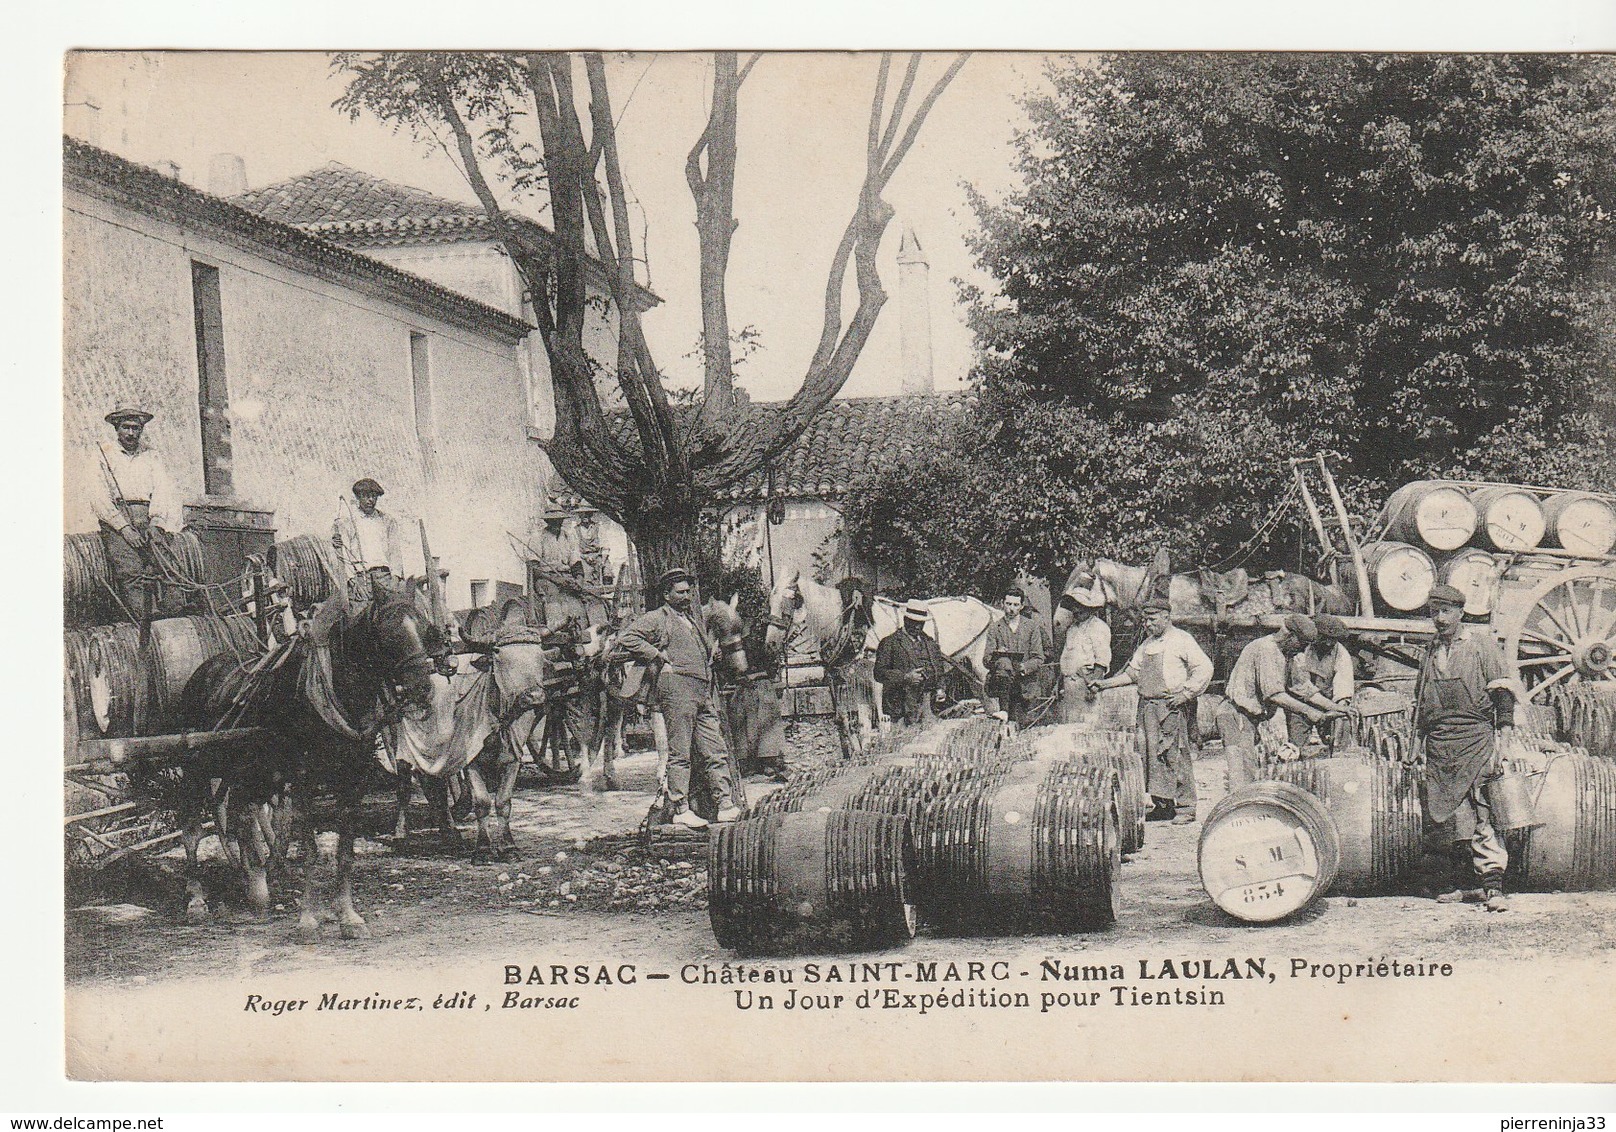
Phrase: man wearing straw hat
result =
(591, 551)
(1462, 695)
(909, 667)
(1085, 653)
(553, 548)
(1171, 670)
(135, 508)
(367, 538)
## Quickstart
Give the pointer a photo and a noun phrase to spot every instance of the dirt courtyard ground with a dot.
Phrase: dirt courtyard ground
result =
(423, 901)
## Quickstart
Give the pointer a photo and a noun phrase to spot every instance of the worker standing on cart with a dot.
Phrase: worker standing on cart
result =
(1462, 696)
(135, 508)
(1171, 670)
(367, 539)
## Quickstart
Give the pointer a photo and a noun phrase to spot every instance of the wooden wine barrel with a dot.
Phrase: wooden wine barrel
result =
(1437, 515)
(1267, 851)
(1580, 523)
(1573, 846)
(306, 565)
(1402, 575)
(1584, 715)
(1376, 808)
(791, 883)
(1038, 855)
(87, 594)
(1116, 748)
(1508, 518)
(180, 645)
(1473, 572)
(86, 582)
(111, 691)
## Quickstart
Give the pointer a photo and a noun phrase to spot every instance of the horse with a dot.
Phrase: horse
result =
(321, 699)
(841, 623)
(627, 685)
(473, 726)
(837, 624)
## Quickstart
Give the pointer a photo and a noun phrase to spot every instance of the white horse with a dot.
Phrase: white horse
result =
(842, 626)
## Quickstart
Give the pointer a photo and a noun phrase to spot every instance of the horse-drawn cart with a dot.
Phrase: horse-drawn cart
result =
(1538, 565)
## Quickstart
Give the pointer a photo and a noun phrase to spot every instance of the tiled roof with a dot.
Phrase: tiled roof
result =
(335, 193)
(358, 209)
(851, 437)
(102, 174)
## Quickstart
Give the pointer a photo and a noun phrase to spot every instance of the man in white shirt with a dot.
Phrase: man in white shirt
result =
(1086, 650)
(1171, 670)
(367, 539)
(133, 499)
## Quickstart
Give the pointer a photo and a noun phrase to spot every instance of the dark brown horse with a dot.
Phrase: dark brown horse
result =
(321, 700)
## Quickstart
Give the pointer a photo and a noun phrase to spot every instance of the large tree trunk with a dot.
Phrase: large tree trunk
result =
(666, 538)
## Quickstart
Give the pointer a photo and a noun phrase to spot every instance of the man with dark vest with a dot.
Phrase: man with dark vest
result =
(134, 503)
(909, 667)
(672, 639)
(1462, 696)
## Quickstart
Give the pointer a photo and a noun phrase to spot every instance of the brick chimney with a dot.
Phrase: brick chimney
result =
(227, 175)
(914, 316)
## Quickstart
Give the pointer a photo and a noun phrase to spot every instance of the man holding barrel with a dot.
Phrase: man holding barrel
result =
(1171, 670)
(1259, 687)
(1462, 696)
(135, 508)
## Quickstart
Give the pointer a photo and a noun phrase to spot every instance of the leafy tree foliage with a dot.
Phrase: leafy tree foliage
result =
(1218, 263)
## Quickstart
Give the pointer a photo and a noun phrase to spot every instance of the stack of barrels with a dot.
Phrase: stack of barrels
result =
(1441, 531)
(975, 829)
(304, 563)
(119, 687)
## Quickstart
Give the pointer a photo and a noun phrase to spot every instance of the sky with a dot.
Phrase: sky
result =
(803, 119)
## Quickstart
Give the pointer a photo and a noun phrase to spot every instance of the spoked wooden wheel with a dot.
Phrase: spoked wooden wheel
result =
(1567, 634)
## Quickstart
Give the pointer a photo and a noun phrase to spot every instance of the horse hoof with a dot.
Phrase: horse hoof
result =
(355, 929)
(308, 928)
(482, 855)
(196, 911)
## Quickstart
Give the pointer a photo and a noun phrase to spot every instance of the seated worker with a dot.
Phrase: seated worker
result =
(1259, 687)
(1321, 675)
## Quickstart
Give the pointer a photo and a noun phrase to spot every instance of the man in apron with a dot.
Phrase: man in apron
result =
(1171, 670)
(1462, 695)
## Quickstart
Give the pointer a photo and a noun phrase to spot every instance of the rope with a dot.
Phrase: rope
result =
(1247, 548)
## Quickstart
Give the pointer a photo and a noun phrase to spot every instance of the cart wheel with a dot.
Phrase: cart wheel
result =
(1568, 633)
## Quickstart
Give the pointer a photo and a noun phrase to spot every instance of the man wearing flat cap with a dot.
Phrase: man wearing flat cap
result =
(134, 502)
(1259, 688)
(672, 639)
(367, 539)
(1322, 677)
(1462, 696)
(1171, 670)
(909, 667)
